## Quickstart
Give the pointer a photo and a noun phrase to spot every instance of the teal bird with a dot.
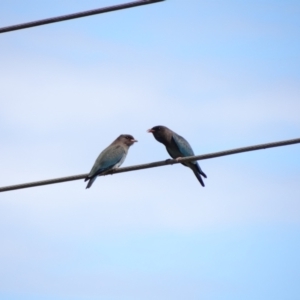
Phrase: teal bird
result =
(177, 147)
(111, 157)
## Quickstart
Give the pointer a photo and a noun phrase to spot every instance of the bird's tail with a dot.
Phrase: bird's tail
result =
(199, 177)
(203, 174)
(91, 181)
(200, 171)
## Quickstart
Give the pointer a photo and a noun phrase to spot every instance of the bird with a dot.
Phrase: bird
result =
(177, 147)
(111, 157)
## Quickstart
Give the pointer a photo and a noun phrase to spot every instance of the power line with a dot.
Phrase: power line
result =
(154, 164)
(77, 15)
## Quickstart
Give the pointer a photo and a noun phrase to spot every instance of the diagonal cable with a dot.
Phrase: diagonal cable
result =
(154, 164)
(77, 15)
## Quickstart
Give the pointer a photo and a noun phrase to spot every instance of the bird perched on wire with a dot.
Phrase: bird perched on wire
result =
(111, 157)
(177, 147)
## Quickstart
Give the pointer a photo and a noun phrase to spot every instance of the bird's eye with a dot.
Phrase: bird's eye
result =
(127, 137)
(158, 128)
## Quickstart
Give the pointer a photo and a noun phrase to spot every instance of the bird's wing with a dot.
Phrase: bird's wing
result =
(108, 158)
(183, 146)
(186, 150)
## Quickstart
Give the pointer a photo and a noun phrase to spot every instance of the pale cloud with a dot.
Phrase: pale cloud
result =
(167, 198)
(108, 95)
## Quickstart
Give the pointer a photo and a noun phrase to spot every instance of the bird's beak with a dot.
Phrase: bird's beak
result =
(134, 141)
(150, 130)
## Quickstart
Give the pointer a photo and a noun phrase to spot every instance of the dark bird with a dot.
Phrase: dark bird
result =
(177, 147)
(111, 157)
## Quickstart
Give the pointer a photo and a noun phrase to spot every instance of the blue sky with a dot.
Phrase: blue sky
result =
(223, 75)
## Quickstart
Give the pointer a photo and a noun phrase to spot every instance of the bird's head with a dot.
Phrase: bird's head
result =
(127, 139)
(159, 132)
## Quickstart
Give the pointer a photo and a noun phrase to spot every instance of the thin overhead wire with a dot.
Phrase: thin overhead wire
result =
(77, 15)
(154, 164)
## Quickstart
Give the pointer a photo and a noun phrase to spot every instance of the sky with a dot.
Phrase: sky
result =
(223, 75)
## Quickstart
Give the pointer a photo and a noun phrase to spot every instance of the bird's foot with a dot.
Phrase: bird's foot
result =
(168, 160)
(178, 158)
